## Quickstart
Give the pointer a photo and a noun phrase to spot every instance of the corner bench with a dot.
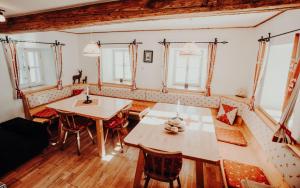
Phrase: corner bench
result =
(145, 98)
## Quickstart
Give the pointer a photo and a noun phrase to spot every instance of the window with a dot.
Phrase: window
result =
(122, 71)
(116, 65)
(187, 71)
(274, 79)
(36, 67)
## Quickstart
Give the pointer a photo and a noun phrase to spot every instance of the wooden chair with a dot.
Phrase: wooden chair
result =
(162, 166)
(74, 124)
(116, 124)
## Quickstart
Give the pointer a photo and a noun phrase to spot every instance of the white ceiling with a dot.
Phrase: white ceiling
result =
(221, 21)
(23, 7)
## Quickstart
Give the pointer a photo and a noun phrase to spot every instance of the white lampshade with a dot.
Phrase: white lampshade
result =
(189, 49)
(2, 17)
(91, 50)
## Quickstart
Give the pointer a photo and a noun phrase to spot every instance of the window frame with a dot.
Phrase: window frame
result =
(114, 78)
(24, 59)
(259, 109)
(194, 88)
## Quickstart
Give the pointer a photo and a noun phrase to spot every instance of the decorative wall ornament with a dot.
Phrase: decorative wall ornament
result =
(148, 56)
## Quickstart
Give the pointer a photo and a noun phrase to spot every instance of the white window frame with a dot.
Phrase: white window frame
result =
(198, 84)
(124, 79)
(23, 61)
(193, 87)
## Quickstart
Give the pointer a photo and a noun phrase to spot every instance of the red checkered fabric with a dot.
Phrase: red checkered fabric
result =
(227, 114)
(46, 113)
(77, 91)
(114, 122)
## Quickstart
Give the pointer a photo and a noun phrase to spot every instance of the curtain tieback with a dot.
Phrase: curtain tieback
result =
(287, 132)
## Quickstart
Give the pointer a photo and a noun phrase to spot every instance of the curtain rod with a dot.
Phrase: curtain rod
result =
(35, 42)
(182, 42)
(113, 43)
(267, 39)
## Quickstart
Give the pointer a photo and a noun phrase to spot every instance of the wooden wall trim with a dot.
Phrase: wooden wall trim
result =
(124, 10)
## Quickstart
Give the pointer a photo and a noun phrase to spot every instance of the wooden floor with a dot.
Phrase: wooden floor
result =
(56, 168)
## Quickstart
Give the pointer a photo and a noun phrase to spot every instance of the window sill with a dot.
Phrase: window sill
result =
(183, 90)
(117, 84)
(266, 118)
(37, 88)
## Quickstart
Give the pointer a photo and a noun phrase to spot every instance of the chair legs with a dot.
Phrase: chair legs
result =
(106, 134)
(147, 182)
(120, 140)
(78, 143)
(171, 184)
(90, 134)
(64, 141)
(178, 181)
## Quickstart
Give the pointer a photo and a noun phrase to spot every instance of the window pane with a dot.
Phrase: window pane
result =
(277, 67)
(190, 69)
(35, 75)
(180, 74)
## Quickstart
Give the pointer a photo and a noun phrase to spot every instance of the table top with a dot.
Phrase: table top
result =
(197, 142)
(105, 108)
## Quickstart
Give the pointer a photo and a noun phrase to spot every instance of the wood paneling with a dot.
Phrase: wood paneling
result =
(120, 11)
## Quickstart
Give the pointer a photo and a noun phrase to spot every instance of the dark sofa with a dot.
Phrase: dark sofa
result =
(20, 140)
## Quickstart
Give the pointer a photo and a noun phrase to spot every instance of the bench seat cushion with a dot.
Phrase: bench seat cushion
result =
(231, 136)
(235, 172)
(46, 113)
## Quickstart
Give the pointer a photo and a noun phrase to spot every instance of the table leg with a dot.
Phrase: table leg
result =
(100, 137)
(199, 174)
(139, 170)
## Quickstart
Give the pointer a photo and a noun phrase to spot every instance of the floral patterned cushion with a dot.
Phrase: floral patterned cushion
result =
(235, 172)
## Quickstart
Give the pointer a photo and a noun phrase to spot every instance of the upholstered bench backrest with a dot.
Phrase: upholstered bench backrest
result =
(157, 96)
(51, 95)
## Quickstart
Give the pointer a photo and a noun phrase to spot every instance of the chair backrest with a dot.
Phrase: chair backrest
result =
(125, 113)
(67, 120)
(164, 166)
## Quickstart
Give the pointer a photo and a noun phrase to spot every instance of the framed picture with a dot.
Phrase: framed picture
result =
(148, 56)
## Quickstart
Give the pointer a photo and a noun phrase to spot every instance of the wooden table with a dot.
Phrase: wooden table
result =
(105, 109)
(198, 142)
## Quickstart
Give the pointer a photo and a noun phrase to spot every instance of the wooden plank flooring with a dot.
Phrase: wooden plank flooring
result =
(56, 168)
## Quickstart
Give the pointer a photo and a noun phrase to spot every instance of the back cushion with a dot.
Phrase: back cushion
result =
(47, 96)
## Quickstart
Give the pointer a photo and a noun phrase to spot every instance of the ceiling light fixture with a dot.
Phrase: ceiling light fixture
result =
(2, 17)
(92, 49)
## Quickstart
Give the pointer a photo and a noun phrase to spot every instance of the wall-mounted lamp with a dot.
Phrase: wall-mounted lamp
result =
(2, 17)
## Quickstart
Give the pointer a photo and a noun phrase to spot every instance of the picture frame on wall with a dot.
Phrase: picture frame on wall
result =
(148, 56)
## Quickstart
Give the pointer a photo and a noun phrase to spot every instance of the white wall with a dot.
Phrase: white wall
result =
(10, 108)
(234, 60)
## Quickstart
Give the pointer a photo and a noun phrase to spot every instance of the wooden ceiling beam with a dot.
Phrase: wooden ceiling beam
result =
(124, 10)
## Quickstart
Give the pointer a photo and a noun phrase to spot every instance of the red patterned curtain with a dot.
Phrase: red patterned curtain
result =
(283, 135)
(165, 67)
(57, 49)
(258, 70)
(10, 52)
(212, 51)
(99, 82)
(133, 52)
